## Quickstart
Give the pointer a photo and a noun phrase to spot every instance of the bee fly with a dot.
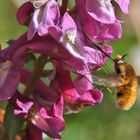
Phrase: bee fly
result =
(124, 80)
(127, 92)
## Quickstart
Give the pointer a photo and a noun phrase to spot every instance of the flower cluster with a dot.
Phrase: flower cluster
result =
(67, 39)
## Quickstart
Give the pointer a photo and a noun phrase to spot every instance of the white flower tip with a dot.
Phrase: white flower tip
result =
(38, 3)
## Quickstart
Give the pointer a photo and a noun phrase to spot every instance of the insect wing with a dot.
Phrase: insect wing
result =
(108, 80)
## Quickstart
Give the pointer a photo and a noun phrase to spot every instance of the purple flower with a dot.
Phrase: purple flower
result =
(48, 121)
(95, 58)
(24, 107)
(76, 56)
(98, 22)
(101, 10)
(68, 40)
(24, 13)
(47, 19)
(45, 15)
(81, 56)
(76, 93)
(65, 33)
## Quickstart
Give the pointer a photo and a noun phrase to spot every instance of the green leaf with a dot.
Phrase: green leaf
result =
(12, 123)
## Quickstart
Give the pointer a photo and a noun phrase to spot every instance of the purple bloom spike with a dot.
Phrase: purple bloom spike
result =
(65, 46)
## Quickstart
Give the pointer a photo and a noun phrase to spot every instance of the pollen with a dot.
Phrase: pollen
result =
(69, 37)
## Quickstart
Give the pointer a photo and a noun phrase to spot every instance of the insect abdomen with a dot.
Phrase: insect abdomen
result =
(126, 95)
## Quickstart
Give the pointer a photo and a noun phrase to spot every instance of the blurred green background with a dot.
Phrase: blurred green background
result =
(103, 121)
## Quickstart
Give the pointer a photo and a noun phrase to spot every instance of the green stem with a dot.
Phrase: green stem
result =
(64, 6)
(38, 68)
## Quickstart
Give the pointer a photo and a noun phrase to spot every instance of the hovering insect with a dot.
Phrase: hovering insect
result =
(125, 81)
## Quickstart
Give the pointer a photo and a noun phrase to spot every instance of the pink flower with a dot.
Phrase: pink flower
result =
(48, 121)
(65, 33)
(76, 93)
(44, 16)
(101, 10)
(24, 13)
(46, 19)
(98, 21)
(75, 43)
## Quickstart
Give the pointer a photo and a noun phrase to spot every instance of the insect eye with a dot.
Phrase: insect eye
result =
(119, 94)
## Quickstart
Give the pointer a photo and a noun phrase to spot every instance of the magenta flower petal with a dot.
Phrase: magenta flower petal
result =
(111, 32)
(33, 26)
(94, 57)
(83, 83)
(8, 53)
(101, 10)
(17, 51)
(43, 17)
(41, 118)
(50, 17)
(24, 12)
(65, 33)
(55, 32)
(33, 133)
(77, 93)
(48, 124)
(99, 27)
(44, 47)
(58, 108)
(91, 97)
(99, 32)
(68, 23)
(124, 5)
(24, 107)
(9, 80)
(97, 95)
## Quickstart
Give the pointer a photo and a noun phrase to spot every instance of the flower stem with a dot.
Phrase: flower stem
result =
(38, 68)
(64, 6)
